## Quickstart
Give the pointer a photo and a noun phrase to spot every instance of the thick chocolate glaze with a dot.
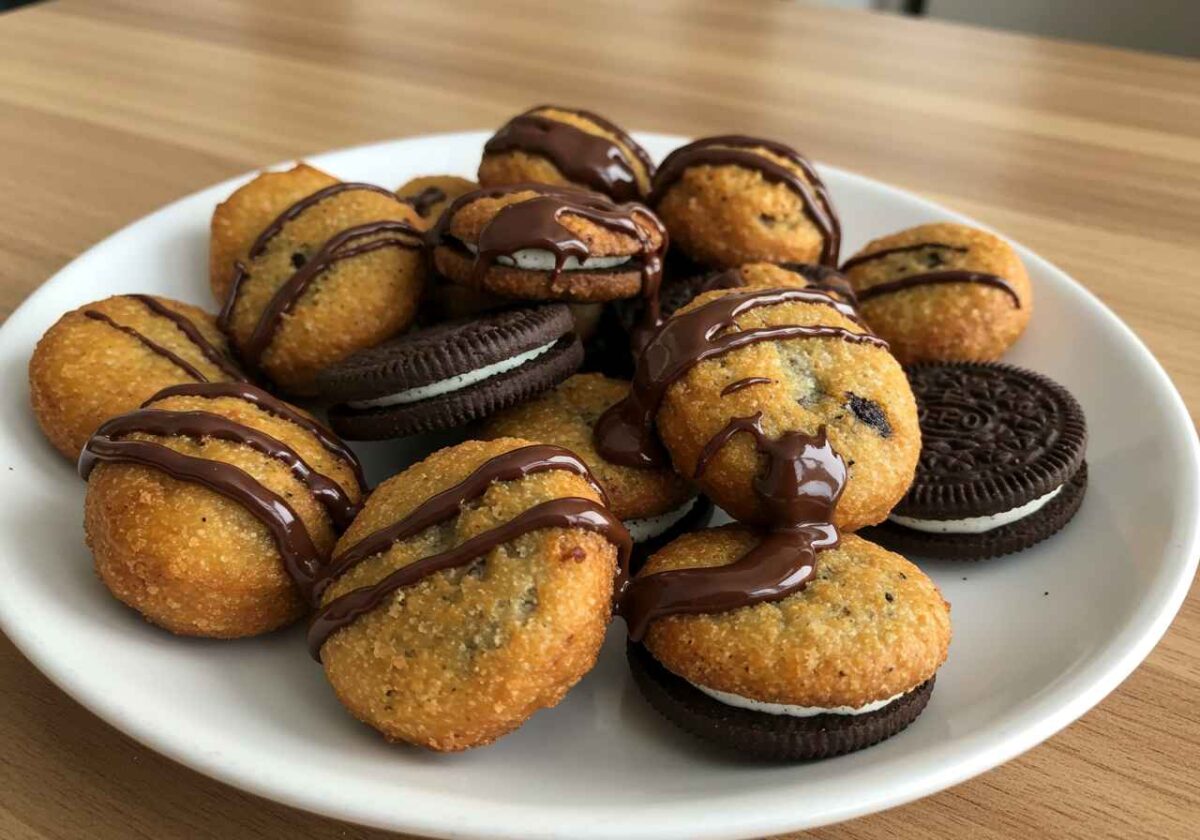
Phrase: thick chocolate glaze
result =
(153, 346)
(592, 160)
(557, 513)
(351, 242)
(212, 353)
(625, 435)
(300, 556)
(738, 150)
(272, 405)
(800, 487)
(535, 224)
(927, 278)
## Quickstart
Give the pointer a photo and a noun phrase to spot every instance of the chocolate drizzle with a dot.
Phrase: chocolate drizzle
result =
(749, 381)
(624, 434)
(927, 278)
(185, 325)
(351, 242)
(535, 224)
(591, 160)
(424, 201)
(153, 346)
(738, 150)
(272, 405)
(300, 556)
(799, 489)
(509, 466)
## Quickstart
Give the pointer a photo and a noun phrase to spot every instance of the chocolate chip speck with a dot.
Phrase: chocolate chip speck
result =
(889, 597)
(869, 412)
(298, 260)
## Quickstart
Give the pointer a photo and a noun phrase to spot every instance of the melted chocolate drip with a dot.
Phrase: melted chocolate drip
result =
(584, 158)
(300, 556)
(928, 278)
(508, 466)
(153, 346)
(534, 224)
(212, 353)
(424, 201)
(734, 387)
(738, 150)
(202, 424)
(800, 487)
(351, 242)
(557, 513)
(340, 247)
(625, 432)
(272, 405)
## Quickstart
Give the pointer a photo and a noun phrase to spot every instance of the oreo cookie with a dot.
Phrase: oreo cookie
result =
(1002, 463)
(452, 373)
(763, 735)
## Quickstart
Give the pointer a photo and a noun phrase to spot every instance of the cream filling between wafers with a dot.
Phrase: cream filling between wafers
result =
(741, 702)
(649, 527)
(537, 259)
(453, 383)
(976, 524)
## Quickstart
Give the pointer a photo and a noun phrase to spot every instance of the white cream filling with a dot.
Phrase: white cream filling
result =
(792, 711)
(454, 383)
(649, 527)
(537, 259)
(975, 524)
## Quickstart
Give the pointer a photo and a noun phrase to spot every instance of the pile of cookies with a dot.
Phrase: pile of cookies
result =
(622, 348)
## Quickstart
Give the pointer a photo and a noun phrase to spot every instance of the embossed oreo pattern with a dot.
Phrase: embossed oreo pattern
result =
(994, 436)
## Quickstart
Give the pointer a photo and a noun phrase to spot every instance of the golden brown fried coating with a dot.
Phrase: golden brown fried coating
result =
(450, 187)
(952, 322)
(565, 417)
(238, 220)
(581, 285)
(355, 303)
(870, 625)
(468, 654)
(85, 371)
(196, 562)
(857, 391)
(727, 215)
(519, 167)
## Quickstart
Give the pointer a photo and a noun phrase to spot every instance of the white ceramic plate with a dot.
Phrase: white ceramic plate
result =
(1038, 638)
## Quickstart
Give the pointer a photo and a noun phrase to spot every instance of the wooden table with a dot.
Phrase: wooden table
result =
(1090, 156)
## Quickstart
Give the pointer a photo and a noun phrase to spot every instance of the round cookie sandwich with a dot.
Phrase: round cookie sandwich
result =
(334, 271)
(767, 361)
(211, 509)
(1002, 463)
(551, 144)
(539, 242)
(108, 357)
(474, 589)
(654, 505)
(429, 195)
(452, 373)
(794, 641)
(733, 199)
(942, 292)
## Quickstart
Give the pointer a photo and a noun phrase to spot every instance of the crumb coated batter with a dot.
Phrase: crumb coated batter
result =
(857, 391)
(468, 654)
(85, 370)
(566, 416)
(869, 626)
(961, 321)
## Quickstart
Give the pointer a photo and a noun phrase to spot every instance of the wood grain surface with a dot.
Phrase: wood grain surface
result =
(1090, 156)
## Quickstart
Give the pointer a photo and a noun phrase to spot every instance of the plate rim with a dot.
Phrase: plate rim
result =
(1136, 640)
